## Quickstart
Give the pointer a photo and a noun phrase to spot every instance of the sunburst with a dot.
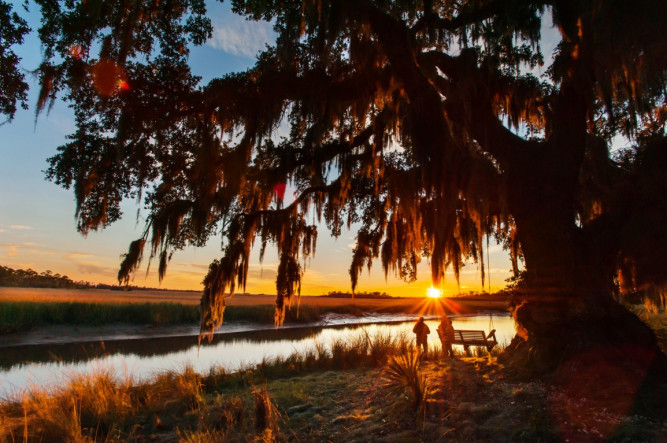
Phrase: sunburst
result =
(433, 292)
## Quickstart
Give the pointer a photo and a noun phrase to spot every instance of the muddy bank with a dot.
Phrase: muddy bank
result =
(64, 334)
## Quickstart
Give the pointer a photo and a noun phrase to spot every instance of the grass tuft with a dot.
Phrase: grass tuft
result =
(402, 373)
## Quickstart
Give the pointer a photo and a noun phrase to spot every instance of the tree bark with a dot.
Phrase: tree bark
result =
(567, 309)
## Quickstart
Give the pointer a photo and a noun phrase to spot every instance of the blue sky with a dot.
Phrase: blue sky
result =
(37, 226)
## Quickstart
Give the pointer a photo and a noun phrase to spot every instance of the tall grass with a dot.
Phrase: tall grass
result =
(96, 407)
(20, 315)
(105, 407)
(360, 350)
(16, 316)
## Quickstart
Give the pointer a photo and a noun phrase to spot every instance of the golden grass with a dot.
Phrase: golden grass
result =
(326, 395)
(105, 407)
(100, 406)
(412, 305)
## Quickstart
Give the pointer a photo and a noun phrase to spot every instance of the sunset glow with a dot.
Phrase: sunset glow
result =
(433, 292)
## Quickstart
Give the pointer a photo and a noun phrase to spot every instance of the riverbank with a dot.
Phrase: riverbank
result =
(358, 392)
(50, 311)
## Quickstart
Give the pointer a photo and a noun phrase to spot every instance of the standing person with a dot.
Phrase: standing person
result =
(421, 330)
(446, 334)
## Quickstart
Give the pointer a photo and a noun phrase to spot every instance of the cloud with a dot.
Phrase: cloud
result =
(13, 248)
(21, 227)
(470, 271)
(264, 265)
(495, 248)
(262, 274)
(76, 255)
(241, 37)
(203, 266)
(177, 274)
(25, 244)
(40, 252)
(86, 267)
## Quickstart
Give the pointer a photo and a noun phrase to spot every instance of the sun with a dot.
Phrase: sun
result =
(433, 292)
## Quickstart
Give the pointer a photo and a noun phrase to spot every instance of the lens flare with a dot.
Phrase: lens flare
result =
(76, 52)
(279, 189)
(108, 78)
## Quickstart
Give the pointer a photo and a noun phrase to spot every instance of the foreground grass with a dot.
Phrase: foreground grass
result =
(362, 390)
(656, 320)
(184, 405)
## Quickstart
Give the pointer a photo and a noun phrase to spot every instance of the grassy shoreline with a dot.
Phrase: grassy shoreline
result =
(19, 316)
(360, 390)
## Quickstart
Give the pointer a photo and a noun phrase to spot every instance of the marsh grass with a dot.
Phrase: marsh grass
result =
(267, 416)
(100, 406)
(308, 396)
(24, 315)
(17, 316)
(105, 407)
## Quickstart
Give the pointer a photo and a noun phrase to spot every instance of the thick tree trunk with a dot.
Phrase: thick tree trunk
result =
(567, 311)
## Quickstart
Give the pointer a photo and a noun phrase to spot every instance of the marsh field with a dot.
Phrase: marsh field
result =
(22, 309)
(333, 382)
(193, 297)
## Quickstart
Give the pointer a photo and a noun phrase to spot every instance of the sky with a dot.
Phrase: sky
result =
(37, 224)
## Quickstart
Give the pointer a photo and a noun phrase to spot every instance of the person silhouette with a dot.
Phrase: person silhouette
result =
(421, 330)
(446, 334)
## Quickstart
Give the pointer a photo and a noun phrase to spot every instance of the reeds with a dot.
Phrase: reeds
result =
(22, 315)
(360, 350)
(105, 407)
(100, 406)
(16, 316)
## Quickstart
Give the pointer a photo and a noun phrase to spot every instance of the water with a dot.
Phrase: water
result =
(44, 366)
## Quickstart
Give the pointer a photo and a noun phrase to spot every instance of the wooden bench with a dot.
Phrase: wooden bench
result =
(469, 338)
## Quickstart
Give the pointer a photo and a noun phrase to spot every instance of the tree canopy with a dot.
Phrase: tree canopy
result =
(422, 122)
(13, 87)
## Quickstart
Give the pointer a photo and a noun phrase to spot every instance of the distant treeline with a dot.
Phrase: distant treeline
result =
(29, 278)
(32, 279)
(338, 294)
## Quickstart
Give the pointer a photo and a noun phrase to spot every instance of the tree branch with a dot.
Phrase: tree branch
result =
(472, 107)
(467, 16)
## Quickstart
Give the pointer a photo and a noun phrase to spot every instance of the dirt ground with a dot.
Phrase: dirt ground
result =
(469, 399)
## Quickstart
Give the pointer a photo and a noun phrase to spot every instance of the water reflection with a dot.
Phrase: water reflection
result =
(44, 365)
(142, 347)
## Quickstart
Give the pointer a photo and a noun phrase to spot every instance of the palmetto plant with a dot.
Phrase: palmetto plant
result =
(402, 374)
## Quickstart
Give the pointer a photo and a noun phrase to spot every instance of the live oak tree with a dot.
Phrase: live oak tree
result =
(423, 123)
(13, 87)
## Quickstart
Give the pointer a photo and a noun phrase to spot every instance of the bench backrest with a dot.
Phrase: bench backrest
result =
(469, 335)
